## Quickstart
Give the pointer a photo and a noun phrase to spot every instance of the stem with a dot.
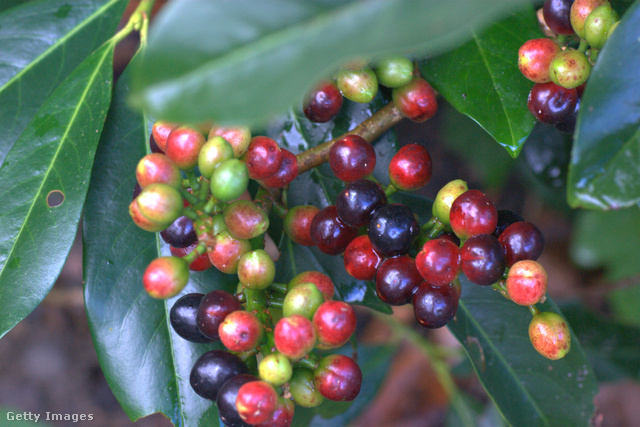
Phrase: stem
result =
(583, 46)
(436, 230)
(383, 119)
(275, 302)
(429, 224)
(190, 213)
(279, 287)
(533, 310)
(193, 181)
(193, 200)
(390, 190)
(309, 362)
(138, 21)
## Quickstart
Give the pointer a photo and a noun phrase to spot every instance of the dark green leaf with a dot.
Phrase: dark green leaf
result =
(43, 41)
(481, 79)
(52, 157)
(246, 61)
(605, 162)
(625, 304)
(146, 364)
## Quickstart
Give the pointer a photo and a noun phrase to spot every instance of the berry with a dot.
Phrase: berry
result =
(275, 369)
(550, 335)
(256, 269)
(359, 85)
(598, 25)
(357, 202)
(410, 168)
(396, 280)
(352, 158)
(416, 100)
(334, 322)
(444, 199)
(550, 103)
(212, 370)
(321, 280)
(569, 69)
(180, 234)
(338, 377)
(556, 16)
(568, 125)
(392, 230)
(213, 152)
(534, 58)
(361, 261)
(229, 180)
(158, 168)
(330, 234)
(282, 416)
(241, 331)
(165, 277)
(183, 318)
(433, 306)
(439, 262)
(505, 219)
(323, 103)
(245, 220)
(294, 336)
(160, 131)
(263, 157)
(256, 402)
(238, 137)
(580, 10)
(226, 400)
(521, 240)
(526, 282)
(201, 263)
(287, 172)
(297, 224)
(183, 147)
(394, 71)
(160, 204)
(141, 221)
(304, 300)
(482, 259)
(303, 389)
(472, 213)
(213, 309)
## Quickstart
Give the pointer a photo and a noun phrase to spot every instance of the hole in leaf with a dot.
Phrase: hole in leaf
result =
(55, 198)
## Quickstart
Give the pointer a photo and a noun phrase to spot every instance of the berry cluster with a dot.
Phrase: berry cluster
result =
(559, 70)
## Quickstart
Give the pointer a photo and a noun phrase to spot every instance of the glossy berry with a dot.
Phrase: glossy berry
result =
(521, 241)
(160, 203)
(396, 280)
(323, 103)
(482, 259)
(444, 199)
(598, 25)
(212, 370)
(282, 416)
(330, 234)
(550, 335)
(287, 172)
(180, 234)
(335, 322)
(416, 100)
(472, 213)
(294, 336)
(534, 57)
(304, 300)
(238, 137)
(141, 221)
(183, 147)
(213, 309)
(245, 220)
(435, 306)
(158, 168)
(359, 85)
(160, 132)
(338, 377)
(182, 317)
(394, 71)
(569, 69)
(263, 157)
(352, 158)
(505, 219)
(256, 402)
(201, 263)
(241, 331)
(526, 282)
(321, 280)
(229, 180)
(361, 261)
(392, 230)
(550, 103)
(165, 277)
(297, 223)
(303, 389)
(358, 200)
(439, 262)
(275, 369)
(213, 152)
(556, 16)
(410, 168)
(226, 400)
(568, 125)
(256, 269)
(580, 10)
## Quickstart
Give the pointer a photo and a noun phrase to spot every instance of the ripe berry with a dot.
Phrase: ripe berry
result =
(550, 335)
(444, 199)
(434, 307)
(568, 125)
(361, 261)
(180, 234)
(213, 152)
(241, 331)
(160, 131)
(569, 69)
(256, 270)
(303, 389)
(165, 277)
(263, 157)
(282, 416)
(226, 400)
(329, 233)
(335, 322)
(472, 213)
(352, 158)
(213, 309)
(183, 318)
(321, 280)
(439, 262)
(410, 168)
(304, 300)
(201, 263)
(598, 25)
(550, 103)
(158, 168)
(212, 370)
(229, 180)
(482, 259)
(416, 100)
(556, 16)
(394, 71)
(294, 336)
(338, 377)
(359, 85)
(396, 280)
(297, 223)
(323, 103)
(238, 137)
(521, 240)
(534, 58)
(505, 219)
(287, 172)
(580, 10)
(256, 402)
(183, 147)
(392, 230)
(275, 369)
(526, 282)
(160, 203)
(357, 202)
(245, 220)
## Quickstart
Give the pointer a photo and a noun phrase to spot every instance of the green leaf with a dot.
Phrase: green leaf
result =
(605, 162)
(481, 79)
(145, 363)
(246, 61)
(625, 305)
(43, 42)
(52, 158)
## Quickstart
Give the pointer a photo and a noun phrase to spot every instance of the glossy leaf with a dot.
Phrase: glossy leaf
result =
(605, 162)
(42, 42)
(481, 79)
(246, 61)
(52, 158)
(145, 363)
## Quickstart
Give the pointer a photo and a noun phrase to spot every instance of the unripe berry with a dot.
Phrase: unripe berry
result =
(158, 168)
(416, 100)
(444, 199)
(165, 277)
(160, 131)
(213, 152)
(357, 85)
(534, 58)
(229, 180)
(598, 25)
(361, 261)
(183, 147)
(526, 282)
(275, 369)
(160, 203)
(282, 416)
(303, 389)
(201, 263)
(549, 335)
(321, 280)
(256, 269)
(297, 224)
(569, 69)
(227, 252)
(394, 71)
(304, 300)
(439, 262)
(238, 137)
(245, 220)
(141, 221)
(580, 10)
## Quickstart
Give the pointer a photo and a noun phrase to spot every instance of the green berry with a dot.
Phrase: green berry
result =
(160, 203)
(229, 180)
(214, 152)
(569, 69)
(550, 335)
(275, 369)
(598, 25)
(358, 85)
(444, 199)
(580, 10)
(256, 269)
(304, 300)
(303, 389)
(394, 71)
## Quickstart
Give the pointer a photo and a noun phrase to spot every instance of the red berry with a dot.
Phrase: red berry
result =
(321, 280)
(245, 220)
(160, 203)
(297, 224)
(526, 282)
(256, 402)
(160, 131)
(183, 147)
(158, 168)
(335, 322)
(294, 336)
(550, 335)
(410, 167)
(550, 103)
(263, 157)
(352, 158)
(472, 213)
(360, 259)
(534, 58)
(282, 416)
(287, 172)
(201, 263)
(439, 262)
(323, 103)
(227, 251)
(580, 11)
(238, 137)
(165, 277)
(416, 100)
(338, 377)
(329, 233)
(241, 331)
(213, 309)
